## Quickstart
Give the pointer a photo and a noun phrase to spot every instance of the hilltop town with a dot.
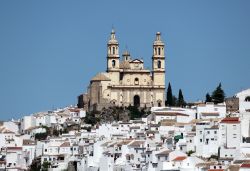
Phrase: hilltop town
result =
(122, 123)
(205, 136)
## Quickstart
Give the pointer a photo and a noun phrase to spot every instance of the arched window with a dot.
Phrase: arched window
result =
(136, 81)
(159, 51)
(109, 50)
(137, 101)
(113, 50)
(159, 64)
(113, 63)
(159, 103)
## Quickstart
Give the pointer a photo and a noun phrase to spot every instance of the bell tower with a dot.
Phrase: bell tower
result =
(158, 61)
(113, 58)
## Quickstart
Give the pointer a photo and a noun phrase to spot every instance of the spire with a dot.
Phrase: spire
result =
(112, 34)
(158, 36)
(158, 40)
(112, 39)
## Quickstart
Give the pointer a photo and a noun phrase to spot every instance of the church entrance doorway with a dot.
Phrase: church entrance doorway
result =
(137, 101)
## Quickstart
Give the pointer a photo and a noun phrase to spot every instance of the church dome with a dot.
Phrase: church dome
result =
(125, 65)
(100, 77)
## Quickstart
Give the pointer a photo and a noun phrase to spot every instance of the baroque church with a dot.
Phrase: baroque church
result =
(126, 81)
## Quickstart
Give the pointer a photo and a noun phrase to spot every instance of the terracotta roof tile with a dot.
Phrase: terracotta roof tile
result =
(180, 158)
(245, 165)
(163, 153)
(14, 148)
(136, 143)
(230, 120)
(65, 144)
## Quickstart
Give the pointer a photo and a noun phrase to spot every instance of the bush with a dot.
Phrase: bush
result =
(90, 118)
(190, 152)
(41, 136)
(55, 132)
(87, 128)
(135, 112)
(45, 166)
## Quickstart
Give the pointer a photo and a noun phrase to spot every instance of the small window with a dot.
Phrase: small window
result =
(234, 127)
(159, 51)
(113, 63)
(159, 64)
(200, 140)
(113, 50)
(136, 81)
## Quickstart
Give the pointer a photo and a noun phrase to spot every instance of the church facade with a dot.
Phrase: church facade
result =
(126, 81)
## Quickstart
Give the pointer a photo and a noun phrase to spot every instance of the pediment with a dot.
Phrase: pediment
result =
(136, 61)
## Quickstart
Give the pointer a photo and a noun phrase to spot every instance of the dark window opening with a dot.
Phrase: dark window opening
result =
(136, 81)
(113, 63)
(159, 64)
(159, 51)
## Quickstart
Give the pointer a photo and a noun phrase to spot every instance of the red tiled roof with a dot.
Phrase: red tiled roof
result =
(164, 153)
(14, 148)
(180, 158)
(230, 120)
(65, 144)
(162, 113)
(245, 165)
(136, 143)
(74, 110)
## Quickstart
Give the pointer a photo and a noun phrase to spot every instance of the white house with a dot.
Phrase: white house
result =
(211, 110)
(230, 132)
(182, 115)
(27, 122)
(244, 100)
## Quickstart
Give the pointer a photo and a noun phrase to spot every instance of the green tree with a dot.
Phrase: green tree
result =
(174, 101)
(218, 95)
(169, 101)
(208, 98)
(55, 132)
(90, 118)
(35, 165)
(41, 136)
(180, 101)
(134, 112)
(45, 166)
(189, 153)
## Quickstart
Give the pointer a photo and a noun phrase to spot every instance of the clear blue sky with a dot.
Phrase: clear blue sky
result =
(49, 50)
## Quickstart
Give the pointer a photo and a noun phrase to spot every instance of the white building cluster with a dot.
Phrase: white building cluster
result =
(201, 138)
